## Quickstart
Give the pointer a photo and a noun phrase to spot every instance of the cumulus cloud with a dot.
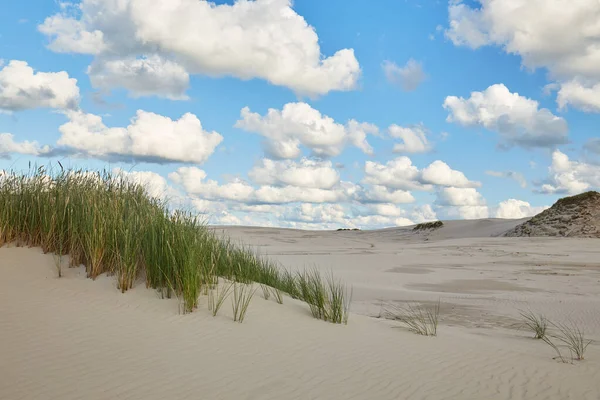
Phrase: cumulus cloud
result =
(401, 174)
(307, 173)
(518, 120)
(570, 177)
(515, 209)
(144, 76)
(516, 176)
(408, 77)
(8, 145)
(21, 88)
(423, 213)
(578, 95)
(298, 124)
(156, 185)
(263, 39)
(546, 33)
(194, 182)
(440, 174)
(381, 194)
(466, 203)
(150, 137)
(414, 139)
(452, 196)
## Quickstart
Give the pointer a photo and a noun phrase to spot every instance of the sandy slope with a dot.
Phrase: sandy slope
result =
(73, 338)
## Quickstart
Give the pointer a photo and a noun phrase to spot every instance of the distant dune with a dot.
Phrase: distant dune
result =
(575, 216)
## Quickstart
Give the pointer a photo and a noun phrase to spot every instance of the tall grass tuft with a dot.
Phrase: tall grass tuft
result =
(419, 319)
(112, 226)
(536, 323)
(569, 336)
(328, 299)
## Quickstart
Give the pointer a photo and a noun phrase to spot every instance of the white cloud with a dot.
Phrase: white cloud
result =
(398, 173)
(408, 77)
(70, 36)
(21, 88)
(263, 39)
(387, 209)
(401, 174)
(306, 173)
(440, 174)
(155, 184)
(518, 120)
(516, 176)
(465, 203)
(381, 194)
(570, 177)
(424, 213)
(194, 182)
(562, 37)
(8, 145)
(293, 194)
(298, 124)
(452, 196)
(141, 76)
(414, 139)
(319, 213)
(149, 137)
(583, 97)
(515, 209)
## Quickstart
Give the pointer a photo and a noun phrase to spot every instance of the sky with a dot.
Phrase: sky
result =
(311, 114)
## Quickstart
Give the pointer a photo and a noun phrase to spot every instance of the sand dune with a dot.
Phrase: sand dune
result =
(74, 338)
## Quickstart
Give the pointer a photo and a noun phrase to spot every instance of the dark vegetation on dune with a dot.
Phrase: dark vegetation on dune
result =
(113, 226)
(428, 226)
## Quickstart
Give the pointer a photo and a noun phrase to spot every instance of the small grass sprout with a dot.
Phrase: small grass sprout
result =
(242, 295)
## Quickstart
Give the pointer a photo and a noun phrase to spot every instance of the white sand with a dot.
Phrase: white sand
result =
(74, 338)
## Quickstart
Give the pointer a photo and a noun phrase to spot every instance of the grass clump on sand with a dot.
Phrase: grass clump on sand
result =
(328, 299)
(111, 225)
(536, 323)
(570, 337)
(557, 335)
(428, 225)
(419, 319)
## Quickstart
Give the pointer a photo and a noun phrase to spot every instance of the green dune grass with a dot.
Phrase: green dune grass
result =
(111, 225)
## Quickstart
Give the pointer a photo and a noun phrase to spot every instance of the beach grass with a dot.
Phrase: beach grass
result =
(112, 226)
(569, 336)
(419, 319)
(242, 295)
(536, 323)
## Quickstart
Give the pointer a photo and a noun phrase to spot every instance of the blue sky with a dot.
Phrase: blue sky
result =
(382, 113)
